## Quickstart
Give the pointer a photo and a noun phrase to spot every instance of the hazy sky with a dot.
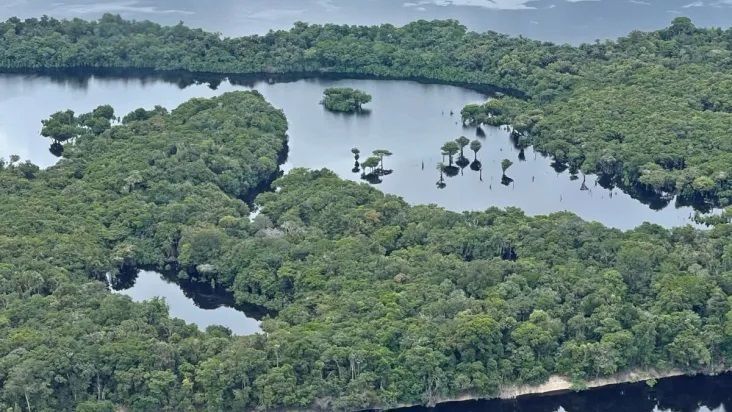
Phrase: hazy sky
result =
(556, 20)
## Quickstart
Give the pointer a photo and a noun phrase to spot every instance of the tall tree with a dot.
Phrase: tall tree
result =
(475, 146)
(450, 148)
(462, 141)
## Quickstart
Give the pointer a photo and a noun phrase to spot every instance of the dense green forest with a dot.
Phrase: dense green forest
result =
(650, 112)
(374, 302)
(344, 99)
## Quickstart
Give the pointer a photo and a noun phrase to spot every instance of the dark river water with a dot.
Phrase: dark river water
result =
(682, 394)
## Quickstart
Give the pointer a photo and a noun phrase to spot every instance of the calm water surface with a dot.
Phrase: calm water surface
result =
(683, 394)
(193, 304)
(410, 119)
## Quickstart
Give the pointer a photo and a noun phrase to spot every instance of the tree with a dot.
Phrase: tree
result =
(371, 162)
(61, 126)
(381, 153)
(505, 164)
(344, 99)
(462, 141)
(30, 381)
(441, 169)
(475, 146)
(450, 148)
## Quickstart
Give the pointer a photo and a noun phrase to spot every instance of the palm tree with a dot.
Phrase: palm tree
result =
(441, 182)
(371, 163)
(462, 141)
(450, 148)
(475, 146)
(355, 152)
(505, 164)
(381, 153)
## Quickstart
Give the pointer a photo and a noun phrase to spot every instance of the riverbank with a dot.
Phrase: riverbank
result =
(556, 385)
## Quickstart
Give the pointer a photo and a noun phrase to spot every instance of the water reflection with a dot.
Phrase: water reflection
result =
(195, 303)
(682, 394)
(410, 119)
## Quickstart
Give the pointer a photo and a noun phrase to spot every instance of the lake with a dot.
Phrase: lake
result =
(411, 119)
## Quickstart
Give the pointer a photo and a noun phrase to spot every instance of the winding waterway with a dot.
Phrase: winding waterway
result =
(410, 119)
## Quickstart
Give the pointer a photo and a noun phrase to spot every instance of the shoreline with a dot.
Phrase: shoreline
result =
(557, 384)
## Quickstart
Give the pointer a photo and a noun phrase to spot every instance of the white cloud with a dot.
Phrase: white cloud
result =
(127, 6)
(274, 14)
(487, 4)
(715, 3)
(328, 5)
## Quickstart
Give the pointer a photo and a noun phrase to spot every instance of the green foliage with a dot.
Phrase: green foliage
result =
(462, 141)
(505, 164)
(371, 162)
(150, 193)
(64, 125)
(650, 110)
(344, 99)
(450, 149)
(377, 303)
(475, 146)
(61, 126)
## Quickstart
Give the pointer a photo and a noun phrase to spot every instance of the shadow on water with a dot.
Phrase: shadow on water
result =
(681, 394)
(195, 302)
(202, 295)
(80, 77)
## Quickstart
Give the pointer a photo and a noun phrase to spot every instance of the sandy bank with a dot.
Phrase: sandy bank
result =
(559, 384)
